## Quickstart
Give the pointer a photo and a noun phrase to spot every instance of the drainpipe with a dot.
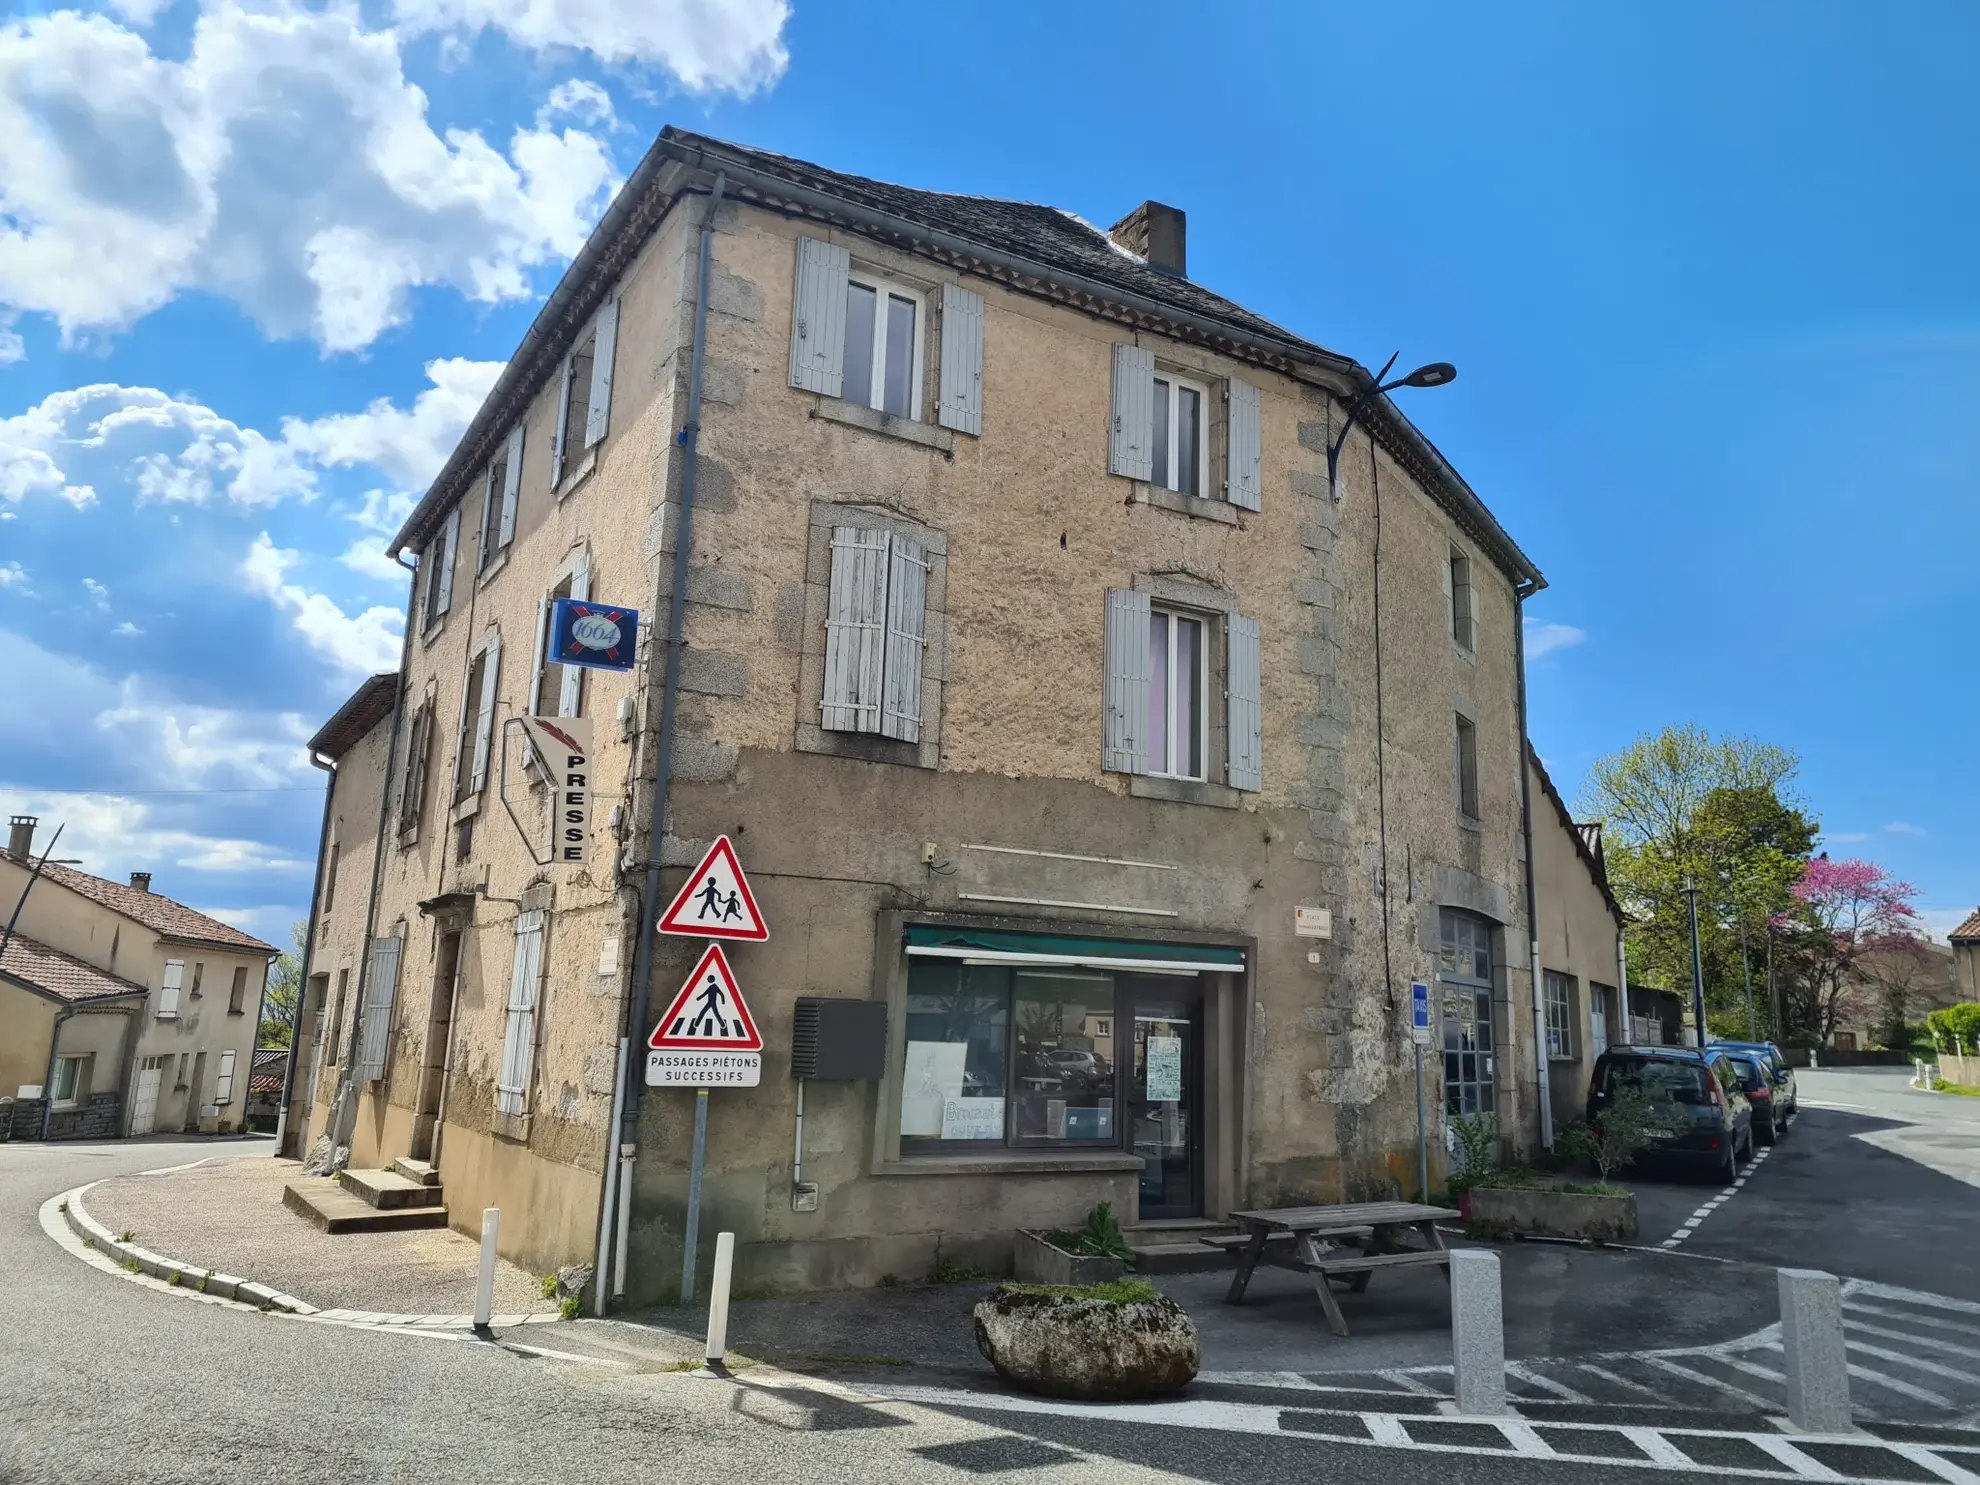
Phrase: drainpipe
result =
(1532, 918)
(343, 1113)
(649, 900)
(308, 962)
(1622, 980)
(48, 1083)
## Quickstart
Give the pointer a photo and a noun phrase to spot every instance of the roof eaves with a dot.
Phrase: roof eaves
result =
(363, 710)
(1597, 871)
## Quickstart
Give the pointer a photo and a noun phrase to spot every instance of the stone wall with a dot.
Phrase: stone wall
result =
(100, 1119)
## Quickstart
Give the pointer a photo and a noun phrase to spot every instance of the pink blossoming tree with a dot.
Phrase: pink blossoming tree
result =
(1845, 908)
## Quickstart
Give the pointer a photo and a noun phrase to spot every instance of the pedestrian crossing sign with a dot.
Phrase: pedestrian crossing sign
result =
(707, 1037)
(715, 901)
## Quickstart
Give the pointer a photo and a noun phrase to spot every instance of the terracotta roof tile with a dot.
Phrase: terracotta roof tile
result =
(1969, 931)
(61, 974)
(174, 919)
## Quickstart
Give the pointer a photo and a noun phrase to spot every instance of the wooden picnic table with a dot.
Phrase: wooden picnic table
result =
(1351, 1241)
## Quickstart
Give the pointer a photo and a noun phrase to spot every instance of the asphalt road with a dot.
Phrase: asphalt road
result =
(105, 1380)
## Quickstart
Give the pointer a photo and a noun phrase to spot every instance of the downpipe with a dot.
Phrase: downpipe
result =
(1546, 1097)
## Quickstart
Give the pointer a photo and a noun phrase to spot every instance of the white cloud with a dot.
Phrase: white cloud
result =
(578, 99)
(1544, 639)
(285, 163)
(113, 835)
(99, 596)
(1903, 827)
(194, 745)
(408, 444)
(1843, 837)
(1938, 923)
(729, 45)
(127, 630)
(366, 557)
(13, 575)
(12, 347)
(366, 644)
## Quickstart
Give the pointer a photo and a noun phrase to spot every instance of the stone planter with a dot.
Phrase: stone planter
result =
(1037, 1260)
(1095, 1350)
(1548, 1211)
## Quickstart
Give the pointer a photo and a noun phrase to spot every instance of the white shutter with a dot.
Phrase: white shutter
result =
(1243, 483)
(1131, 446)
(443, 553)
(543, 605)
(1130, 671)
(484, 724)
(1245, 725)
(855, 630)
(557, 449)
(381, 989)
(223, 1086)
(512, 484)
(962, 360)
(907, 637)
(454, 791)
(491, 500)
(570, 696)
(168, 988)
(818, 317)
(519, 1036)
(598, 410)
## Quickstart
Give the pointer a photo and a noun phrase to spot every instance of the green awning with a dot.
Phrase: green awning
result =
(990, 947)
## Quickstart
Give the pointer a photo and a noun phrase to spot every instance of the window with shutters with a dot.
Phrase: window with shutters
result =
(477, 721)
(237, 992)
(418, 767)
(168, 988)
(334, 1032)
(223, 1084)
(1559, 1000)
(519, 1032)
(381, 992)
(436, 567)
(199, 976)
(873, 647)
(1467, 767)
(1192, 440)
(501, 491)
(558, 690)
(1460, 591)
(883, 365)
(584, 406)
(1179, 447)
(1178, 723)
(1181, 704)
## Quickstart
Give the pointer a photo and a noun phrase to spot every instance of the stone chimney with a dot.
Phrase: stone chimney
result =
(1158, 233)
(141, 880)
(20, 835)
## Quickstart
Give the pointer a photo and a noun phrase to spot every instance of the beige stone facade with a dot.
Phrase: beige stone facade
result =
(1278, 1071)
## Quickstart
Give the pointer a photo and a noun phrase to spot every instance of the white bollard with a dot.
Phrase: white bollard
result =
(718, 1308)
(484, 1284)
(1816, 1363)
(1478, 1335)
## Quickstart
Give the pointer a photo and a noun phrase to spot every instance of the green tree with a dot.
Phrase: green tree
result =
(283, 1001)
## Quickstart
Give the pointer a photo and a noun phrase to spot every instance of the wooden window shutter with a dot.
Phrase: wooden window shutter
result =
(168, 988)
(512, 484)
(491, 502)
(461, 734)
(1131, 445)
(543, 607)
(818, 317)
(907, 638)
(598, 409)
(570, 695)
(962, 360)
(557, 449)
(1130, 671)
(519, 1035)
(443, 553)
(855, 630)
(223, 1085)
(381, 989)
(484, 724)
(1245, 716)
(412, 778)
(1243, 483)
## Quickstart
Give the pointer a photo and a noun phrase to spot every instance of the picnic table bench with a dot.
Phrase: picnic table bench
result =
(1353, 1241)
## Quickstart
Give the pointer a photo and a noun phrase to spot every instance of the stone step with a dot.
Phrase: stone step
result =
(327, 1205)
(388, 1190)
(1179, 1258)
(416, 1170)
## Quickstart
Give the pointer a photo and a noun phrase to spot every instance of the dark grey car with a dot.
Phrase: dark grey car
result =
(1697, 1094)
(1787, 1101)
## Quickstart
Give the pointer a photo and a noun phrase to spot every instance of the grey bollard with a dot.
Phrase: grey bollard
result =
(484, 1281)
(1478, 1335)
(1812, 1342)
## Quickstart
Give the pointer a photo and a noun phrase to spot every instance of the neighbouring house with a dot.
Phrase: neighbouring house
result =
(265, 1087)
(1031, 662)
(1582, 965)
(1897, 978)
(132, 1013)
(1965, 943)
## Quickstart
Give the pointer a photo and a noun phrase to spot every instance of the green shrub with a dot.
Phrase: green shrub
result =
(1955, 1026)
(1100, 1237)
(1629, 1126)
(1477, 1140)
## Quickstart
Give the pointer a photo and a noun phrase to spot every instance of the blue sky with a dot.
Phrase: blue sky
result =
(1706, 272)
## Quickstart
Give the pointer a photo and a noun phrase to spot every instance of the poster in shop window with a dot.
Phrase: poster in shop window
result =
(1164, 1069)
(972, 1118)
(932, 1075)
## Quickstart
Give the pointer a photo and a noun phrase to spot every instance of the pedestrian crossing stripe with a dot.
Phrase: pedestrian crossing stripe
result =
(715, 901)
(709, 1013)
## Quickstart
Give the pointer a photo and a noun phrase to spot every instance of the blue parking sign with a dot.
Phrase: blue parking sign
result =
(1419, 1007)
(601, 636)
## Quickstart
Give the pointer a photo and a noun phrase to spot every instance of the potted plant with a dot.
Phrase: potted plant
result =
(1095, 1253)
(1475, 1148)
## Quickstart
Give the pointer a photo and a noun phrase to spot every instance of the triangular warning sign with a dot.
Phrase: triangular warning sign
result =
(709, 1012)
(715, 901)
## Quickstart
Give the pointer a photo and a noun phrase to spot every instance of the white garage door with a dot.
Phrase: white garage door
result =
(144, 1108)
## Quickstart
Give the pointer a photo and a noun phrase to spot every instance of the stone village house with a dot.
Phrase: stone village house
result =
(1037, 674)
(122, 1012)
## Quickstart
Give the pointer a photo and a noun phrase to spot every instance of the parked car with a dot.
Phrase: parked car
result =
(1785, 1096)
(1077, 1069)
(1757, 1079)
(1696, 1092)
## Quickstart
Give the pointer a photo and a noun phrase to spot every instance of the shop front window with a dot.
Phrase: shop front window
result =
(1464, 975)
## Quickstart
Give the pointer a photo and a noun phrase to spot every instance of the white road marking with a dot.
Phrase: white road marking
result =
(1910, 1337)
(1945, 1469)
(1293, 1380)
(1408, 1383)
(1803, 1465)
(1716, 1384)
(1623, 1382)
(1917, 1364)
(1525, 1441)
(1545, 1384)
(1660, 1449)
(1898, 1385)
(1854, 1287)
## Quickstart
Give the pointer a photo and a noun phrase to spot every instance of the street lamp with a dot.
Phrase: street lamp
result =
(1690, 891)
(1434, 374)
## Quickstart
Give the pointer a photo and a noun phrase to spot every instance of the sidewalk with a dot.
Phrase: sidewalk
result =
(228, 1215)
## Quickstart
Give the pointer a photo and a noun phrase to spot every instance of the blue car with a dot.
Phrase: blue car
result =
(1786, 1102)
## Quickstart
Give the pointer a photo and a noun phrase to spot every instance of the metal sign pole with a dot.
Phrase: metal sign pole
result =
(1422, 1141)
(694, 1195)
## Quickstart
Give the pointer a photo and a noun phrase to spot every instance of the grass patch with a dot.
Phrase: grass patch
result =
(548, 1283)
(572, 1307)
(1942, 1086)
(1120, 1291)
(948, 1271)
(126, 1235)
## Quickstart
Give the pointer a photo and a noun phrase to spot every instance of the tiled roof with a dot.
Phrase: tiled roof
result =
(61, 974)
(174, 919)
(1969, 931)
(1587, 836)
(367, 706)
(271, 1067)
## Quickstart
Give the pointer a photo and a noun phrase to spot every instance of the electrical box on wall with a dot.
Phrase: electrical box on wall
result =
(840, 1041)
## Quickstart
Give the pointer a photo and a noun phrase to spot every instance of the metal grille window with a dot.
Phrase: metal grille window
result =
(1560, 1016)
(1464, 976)
(1461, 626)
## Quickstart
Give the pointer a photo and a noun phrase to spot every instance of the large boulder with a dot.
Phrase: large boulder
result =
(1096, 1350)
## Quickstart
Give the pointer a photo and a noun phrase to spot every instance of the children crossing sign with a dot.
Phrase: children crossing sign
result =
(715, 901)
(707, 1038)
